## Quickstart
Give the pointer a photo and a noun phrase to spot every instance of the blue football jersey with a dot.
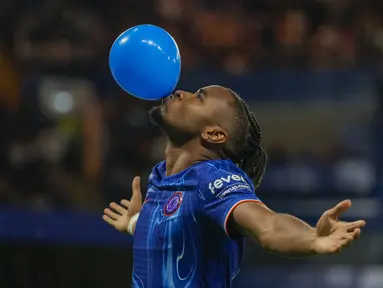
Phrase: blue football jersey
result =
(181, 238)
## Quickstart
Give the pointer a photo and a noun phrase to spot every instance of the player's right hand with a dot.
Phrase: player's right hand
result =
(119, 216)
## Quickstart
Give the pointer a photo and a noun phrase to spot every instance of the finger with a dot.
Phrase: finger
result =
(336, 248)
(136, 185)
(354, 225)
(125, 203)
(108, 220)
(136, 200)
(339, 208)
(347, 241)
(117, 208)
(356, 233)
(111, 214)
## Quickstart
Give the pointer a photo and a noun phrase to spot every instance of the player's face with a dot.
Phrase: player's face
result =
(189, 113)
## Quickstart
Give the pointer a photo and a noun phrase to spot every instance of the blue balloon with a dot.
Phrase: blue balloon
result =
(145, 62)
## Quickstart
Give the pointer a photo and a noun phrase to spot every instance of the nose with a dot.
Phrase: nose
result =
(179, 94)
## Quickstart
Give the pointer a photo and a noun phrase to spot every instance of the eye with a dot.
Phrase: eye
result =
(199, 95)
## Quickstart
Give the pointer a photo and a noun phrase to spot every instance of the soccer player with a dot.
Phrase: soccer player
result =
(201, 202)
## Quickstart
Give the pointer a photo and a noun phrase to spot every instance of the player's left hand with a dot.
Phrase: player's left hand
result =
(332, 234)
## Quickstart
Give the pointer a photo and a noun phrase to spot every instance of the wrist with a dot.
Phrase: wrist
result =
(314, 243)
(317, 245)
(132, 224)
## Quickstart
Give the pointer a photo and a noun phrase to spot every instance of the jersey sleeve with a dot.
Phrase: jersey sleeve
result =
(221, 191)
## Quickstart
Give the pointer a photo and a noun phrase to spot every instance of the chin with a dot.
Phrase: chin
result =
(174, 134)
(156, 115)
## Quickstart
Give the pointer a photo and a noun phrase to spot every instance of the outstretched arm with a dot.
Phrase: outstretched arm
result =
(289, 236)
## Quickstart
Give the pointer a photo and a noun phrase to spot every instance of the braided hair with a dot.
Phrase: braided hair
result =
(245, 148)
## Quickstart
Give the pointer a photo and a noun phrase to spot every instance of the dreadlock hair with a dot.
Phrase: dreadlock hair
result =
(245, 148)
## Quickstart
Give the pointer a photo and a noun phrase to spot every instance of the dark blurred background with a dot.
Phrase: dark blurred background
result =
(71, 140)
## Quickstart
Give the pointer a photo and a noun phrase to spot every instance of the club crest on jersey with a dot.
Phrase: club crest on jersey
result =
(173, 204)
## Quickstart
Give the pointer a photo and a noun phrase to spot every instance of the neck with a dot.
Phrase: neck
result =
(179, 158)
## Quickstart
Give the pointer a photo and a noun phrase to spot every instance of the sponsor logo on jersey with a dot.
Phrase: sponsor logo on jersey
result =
(225, 182)
(233, 188)
(173, 204)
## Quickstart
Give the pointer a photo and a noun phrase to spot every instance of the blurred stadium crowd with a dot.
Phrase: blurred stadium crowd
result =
(72, 139)
(237, 36)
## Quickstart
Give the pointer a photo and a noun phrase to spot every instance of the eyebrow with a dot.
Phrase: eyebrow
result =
(203, 91)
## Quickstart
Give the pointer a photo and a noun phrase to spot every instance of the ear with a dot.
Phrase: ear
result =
(215, 135)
